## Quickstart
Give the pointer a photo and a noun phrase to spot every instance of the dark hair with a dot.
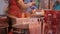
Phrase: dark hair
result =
(57, 2)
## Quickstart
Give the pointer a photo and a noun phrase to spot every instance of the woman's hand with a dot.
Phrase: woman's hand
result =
(21, 4)
(33, 3)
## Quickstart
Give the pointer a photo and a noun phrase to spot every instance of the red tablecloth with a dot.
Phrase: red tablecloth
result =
(10, 32)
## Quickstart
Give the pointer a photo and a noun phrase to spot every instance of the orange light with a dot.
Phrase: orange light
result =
(42, 12)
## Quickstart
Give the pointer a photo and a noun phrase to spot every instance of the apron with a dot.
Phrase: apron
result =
(14, 9)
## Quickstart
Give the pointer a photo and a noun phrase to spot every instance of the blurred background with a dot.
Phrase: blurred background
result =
(41, 4)
(49, 20)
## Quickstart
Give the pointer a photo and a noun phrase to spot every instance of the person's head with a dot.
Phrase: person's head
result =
(57, 2)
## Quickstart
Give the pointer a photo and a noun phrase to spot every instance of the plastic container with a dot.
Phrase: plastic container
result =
(3, 25)
(20, 29)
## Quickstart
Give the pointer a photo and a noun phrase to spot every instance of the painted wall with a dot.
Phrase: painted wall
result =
(3, 6)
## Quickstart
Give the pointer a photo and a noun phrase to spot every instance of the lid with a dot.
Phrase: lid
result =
(21, 26)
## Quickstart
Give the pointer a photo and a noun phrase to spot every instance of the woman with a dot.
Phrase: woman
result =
(16, 8)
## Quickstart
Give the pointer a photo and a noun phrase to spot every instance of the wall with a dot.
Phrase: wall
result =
(3, 6)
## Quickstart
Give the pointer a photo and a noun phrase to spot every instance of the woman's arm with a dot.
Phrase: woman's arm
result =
(21, 4)
(11, 16)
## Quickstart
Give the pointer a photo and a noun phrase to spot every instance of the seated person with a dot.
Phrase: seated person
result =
(56, 6)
